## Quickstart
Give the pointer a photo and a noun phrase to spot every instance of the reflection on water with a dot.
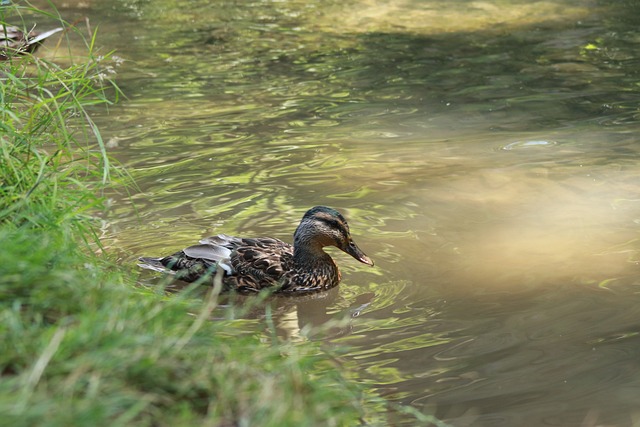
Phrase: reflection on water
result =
(427, 17)
(484, 152)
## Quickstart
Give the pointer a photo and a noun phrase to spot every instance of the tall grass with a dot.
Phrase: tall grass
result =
(81, 345)
(44, 130)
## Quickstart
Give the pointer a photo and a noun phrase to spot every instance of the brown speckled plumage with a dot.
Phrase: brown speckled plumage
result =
(252, 264)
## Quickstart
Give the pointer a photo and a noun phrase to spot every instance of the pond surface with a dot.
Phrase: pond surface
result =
(485, 153)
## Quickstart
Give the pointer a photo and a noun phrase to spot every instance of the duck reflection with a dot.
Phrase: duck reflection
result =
(315, 315)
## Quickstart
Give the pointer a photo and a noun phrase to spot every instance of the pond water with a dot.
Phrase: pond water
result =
(485, 154)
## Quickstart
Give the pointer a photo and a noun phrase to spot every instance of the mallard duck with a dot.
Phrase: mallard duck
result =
(14, 41)
(252, 264)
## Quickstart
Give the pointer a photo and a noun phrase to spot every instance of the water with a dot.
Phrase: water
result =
(484, 153)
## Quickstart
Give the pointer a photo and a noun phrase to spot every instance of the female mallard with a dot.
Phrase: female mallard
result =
(15, 41)
(254, 264)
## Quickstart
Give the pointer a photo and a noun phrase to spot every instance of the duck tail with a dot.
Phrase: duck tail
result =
(154, 264)
(182, 268)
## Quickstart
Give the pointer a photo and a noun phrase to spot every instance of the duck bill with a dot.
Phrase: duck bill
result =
(355, 252)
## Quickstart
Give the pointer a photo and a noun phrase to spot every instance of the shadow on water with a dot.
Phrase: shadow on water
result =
(484, 153)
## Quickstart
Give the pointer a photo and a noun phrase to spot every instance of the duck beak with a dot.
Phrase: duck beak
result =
(353, 250)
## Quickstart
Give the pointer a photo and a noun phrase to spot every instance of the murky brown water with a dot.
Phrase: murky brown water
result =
(485, 153)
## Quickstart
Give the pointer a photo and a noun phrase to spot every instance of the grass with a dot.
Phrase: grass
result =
(80, 340)
(82, 345)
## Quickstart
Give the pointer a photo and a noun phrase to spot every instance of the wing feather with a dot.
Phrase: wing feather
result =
(207, 251)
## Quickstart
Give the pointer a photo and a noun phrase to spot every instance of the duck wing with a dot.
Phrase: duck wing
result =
(262, 257)
(260, 263)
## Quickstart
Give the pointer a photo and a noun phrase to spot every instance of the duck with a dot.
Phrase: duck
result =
(15, 41)
(249, 265)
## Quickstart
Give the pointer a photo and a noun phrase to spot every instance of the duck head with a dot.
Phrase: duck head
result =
(323, 226)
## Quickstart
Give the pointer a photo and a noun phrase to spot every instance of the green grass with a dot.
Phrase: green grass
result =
(49, 175)
(78, 339)
(82, 345)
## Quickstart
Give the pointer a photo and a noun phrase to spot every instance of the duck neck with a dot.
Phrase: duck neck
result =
(307, 255)
(314, 268)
